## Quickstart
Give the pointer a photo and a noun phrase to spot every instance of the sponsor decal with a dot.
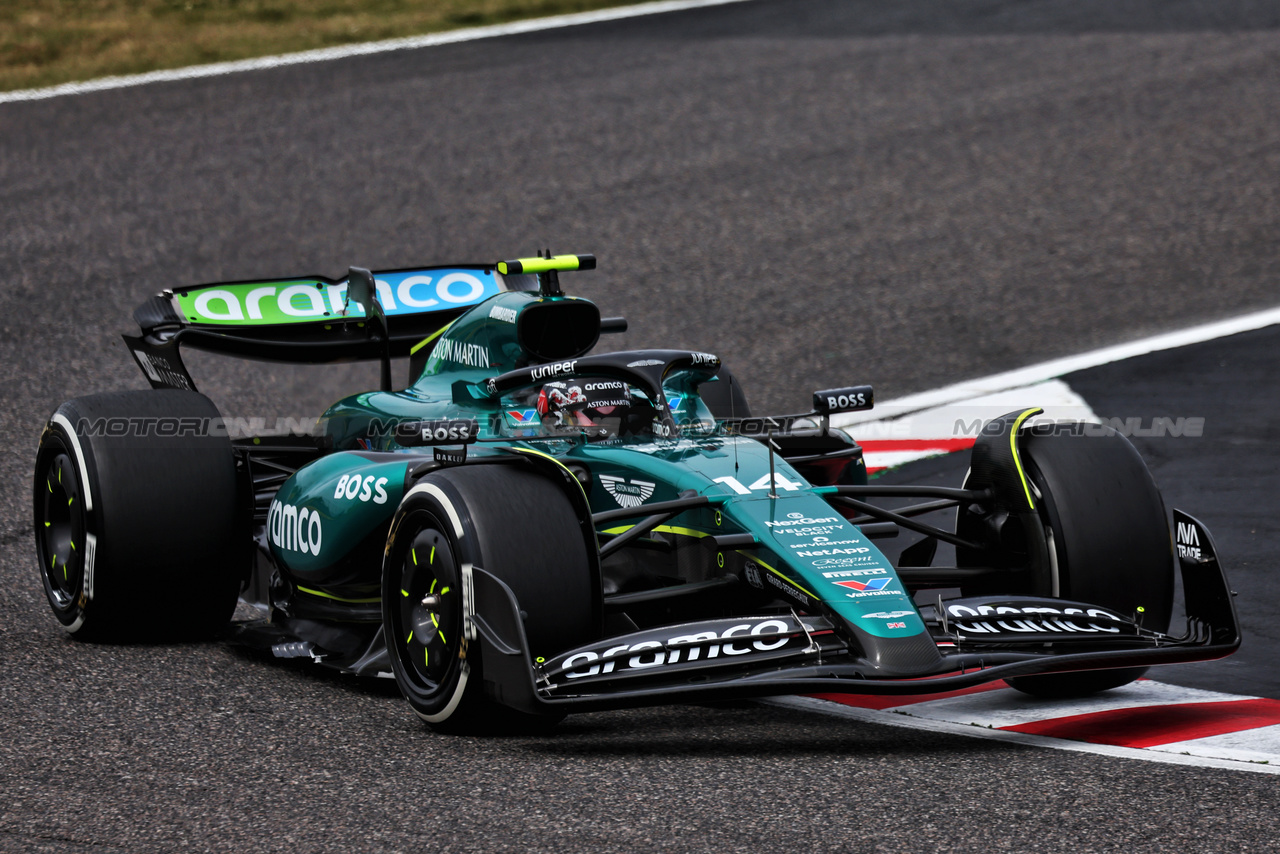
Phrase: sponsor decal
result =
(450, 456)
(447, 431)
(821, 552)
(523, 416)
(741, 639)
(852, 573)
(896, 625)
(553, 370)
(606, 385)
(844, 399)
(1035, 619)
(506, 315)
(801, 519)
(1188, 541)
(753, 576)
(471, 355)
(160, 370)
(870, 584)
(354, 487)
(887, 615)
(824, 542)
(294, 529)
(627, 493)
(704, 359)
(302, 300)
(644, 363)
(786, 588)
(809, 532)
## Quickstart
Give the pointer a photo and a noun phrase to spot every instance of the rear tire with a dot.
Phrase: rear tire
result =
(518, 526)
(1110, 538)
(137, 528)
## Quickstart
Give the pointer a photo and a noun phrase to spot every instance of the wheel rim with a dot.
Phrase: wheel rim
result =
(428, 613)
(60, 531)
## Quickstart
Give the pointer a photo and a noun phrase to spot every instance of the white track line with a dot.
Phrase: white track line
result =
(824, 707)
(933, 414)
(331, 53)
(968, 389)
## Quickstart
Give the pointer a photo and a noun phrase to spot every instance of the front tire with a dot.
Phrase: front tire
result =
(136, 522)
(1110, 538)
(515, 524)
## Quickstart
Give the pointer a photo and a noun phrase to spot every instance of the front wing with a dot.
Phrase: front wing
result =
(981, 640)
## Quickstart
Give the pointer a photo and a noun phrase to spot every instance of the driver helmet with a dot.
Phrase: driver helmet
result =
(585, 402)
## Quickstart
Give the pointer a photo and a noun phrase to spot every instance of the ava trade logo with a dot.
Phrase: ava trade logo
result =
(307, 300)
(871, 584)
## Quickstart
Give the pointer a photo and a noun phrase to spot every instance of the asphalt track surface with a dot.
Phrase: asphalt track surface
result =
(822, 192)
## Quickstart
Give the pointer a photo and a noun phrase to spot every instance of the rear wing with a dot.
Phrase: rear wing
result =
(310, 319)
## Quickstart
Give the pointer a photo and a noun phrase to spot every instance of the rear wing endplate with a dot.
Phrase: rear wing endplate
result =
(308, 320)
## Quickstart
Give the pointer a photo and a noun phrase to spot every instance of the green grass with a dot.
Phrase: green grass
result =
(46, 42)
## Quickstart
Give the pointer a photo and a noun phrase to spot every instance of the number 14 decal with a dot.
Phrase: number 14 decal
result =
(779, 482)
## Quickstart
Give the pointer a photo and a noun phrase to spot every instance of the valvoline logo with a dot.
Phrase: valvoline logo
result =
(869, 584)
(523, 416)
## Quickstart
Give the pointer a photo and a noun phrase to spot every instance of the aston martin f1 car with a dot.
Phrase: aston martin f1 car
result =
(529, 528)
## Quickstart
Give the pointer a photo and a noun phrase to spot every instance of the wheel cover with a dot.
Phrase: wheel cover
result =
(60, 532)
(427, 617)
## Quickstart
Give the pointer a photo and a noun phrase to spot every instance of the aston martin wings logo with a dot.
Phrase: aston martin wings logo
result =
(627, 493)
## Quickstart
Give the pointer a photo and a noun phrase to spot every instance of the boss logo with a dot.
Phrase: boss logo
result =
(352, 487)
(849, 399)
(449, 431)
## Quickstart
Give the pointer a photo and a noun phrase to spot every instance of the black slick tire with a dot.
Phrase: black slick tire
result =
(137, 525)
(517, 525)
(1110, 537)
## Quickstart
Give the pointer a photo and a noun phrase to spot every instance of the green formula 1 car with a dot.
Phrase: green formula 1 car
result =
(530, 529)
